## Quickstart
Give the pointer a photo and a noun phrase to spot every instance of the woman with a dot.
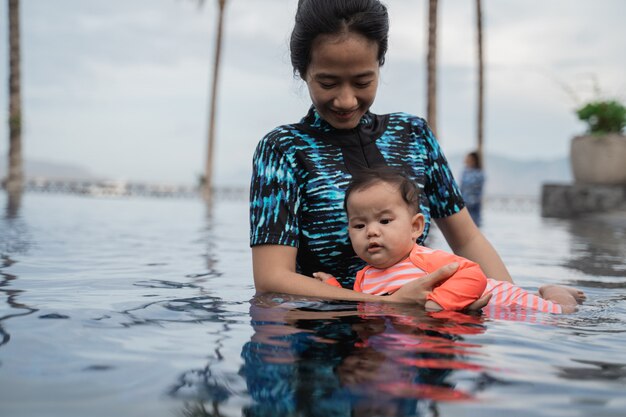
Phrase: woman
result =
(301, 170)
(472, 182)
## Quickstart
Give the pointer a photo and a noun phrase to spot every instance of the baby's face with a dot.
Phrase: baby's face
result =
(382, 228)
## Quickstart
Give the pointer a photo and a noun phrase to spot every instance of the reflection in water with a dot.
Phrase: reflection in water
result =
(337, 359)
(182, 310)
(594, 370)
(14, 202)
(204, 390)
(310, 358)
(13, 232)
(13, 239)
(209, 385)
(598, 247)
(199, 409)
(314, 358)
(16, 308)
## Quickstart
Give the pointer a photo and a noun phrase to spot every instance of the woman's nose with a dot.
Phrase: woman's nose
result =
(345, 99)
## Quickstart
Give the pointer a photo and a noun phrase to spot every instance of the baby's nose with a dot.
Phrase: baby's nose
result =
(372, 231)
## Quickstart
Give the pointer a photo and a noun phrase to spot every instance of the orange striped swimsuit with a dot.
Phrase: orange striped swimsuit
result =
(464, 287)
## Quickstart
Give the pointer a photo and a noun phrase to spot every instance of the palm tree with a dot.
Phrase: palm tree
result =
(208, 172)
(15, 177)
(481, 81)
(431, 67)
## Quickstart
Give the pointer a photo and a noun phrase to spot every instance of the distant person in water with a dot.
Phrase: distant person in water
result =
(472, 184)
(384, 223)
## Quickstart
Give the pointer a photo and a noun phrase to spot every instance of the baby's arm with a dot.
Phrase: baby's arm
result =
(429, 306)
(462, 289)
(326, 279)
(475, 304)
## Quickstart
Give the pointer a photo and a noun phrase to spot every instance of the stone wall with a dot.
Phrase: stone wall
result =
(573, 200)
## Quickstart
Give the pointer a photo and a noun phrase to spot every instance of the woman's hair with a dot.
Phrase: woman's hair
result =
(475, 157)
(315, 17)
(369, 177)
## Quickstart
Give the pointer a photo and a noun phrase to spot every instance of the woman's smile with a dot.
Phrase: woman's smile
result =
(344, 116)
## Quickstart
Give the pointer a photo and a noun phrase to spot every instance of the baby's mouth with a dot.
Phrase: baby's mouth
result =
(374, 247)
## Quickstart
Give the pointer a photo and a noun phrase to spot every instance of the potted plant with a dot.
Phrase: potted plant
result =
(599, 157)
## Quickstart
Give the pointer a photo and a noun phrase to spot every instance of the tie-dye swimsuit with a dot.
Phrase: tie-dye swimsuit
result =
(301, 172)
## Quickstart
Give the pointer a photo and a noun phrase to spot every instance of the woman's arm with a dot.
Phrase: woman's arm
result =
(466, 240)
(274, 268)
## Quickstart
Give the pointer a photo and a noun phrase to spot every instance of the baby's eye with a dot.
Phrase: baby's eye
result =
(358, 226)
(385, 221)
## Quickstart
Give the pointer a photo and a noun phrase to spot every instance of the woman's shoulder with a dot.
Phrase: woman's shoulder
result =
(283, 138)
(407, 118)
(281, 133)
(417, 124)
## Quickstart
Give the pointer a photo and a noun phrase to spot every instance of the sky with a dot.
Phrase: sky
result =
(122, 87)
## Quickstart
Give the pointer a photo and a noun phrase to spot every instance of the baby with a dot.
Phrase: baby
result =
(384, 222)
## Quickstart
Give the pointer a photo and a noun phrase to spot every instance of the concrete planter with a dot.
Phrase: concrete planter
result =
(599, 159)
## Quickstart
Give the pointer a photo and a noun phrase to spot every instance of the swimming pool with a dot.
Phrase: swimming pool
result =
(135, 307)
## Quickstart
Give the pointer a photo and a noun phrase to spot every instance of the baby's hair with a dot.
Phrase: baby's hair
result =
(369, 177)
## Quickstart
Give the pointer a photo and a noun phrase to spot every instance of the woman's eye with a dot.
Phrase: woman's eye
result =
(363, 85)
(327, 85)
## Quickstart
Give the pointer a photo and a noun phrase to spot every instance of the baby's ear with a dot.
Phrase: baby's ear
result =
(417, 224)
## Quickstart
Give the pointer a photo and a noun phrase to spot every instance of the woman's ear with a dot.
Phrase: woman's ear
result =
(417, 225)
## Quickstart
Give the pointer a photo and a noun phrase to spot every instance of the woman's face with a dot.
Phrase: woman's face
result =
(342, 77)
(470, 162)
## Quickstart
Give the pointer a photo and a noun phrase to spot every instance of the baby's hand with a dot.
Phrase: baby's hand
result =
(322, 276)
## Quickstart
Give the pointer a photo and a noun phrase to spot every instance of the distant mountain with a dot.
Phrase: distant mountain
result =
(53, 170)
(508, 176)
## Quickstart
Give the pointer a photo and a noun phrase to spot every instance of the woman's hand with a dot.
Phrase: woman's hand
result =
(417, 290)
(480, 303)
(322, 276)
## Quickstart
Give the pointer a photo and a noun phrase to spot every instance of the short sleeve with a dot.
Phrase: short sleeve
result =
(442, 191)
(274, 197)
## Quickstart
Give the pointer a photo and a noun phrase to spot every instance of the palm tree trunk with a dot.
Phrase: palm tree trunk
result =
(208, 173)
(481, 82)
(431, 67)
(15, 178)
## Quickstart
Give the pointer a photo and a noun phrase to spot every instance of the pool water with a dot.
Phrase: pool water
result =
(137, 307)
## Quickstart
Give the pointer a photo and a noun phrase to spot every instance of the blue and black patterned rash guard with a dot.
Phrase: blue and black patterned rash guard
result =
(301, 171)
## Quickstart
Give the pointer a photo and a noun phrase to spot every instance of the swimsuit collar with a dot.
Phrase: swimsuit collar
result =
(369, 129)
(314, 120)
